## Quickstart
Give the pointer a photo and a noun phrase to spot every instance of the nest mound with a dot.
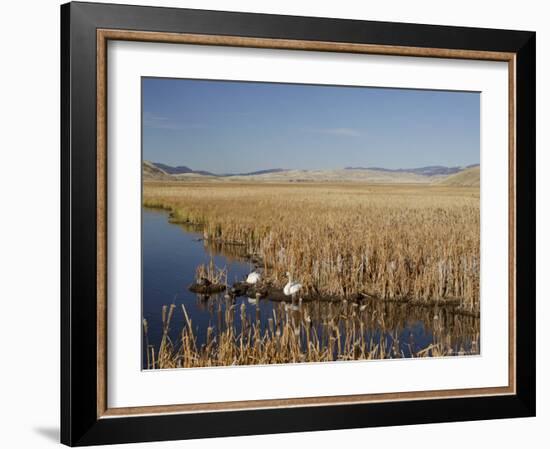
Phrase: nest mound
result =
(206, 289)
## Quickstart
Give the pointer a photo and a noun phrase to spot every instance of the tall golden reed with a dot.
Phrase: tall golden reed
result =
(313, 333)
(394, 241)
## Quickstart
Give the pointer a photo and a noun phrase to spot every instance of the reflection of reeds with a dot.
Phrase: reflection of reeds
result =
(312, 333)
(418, 242)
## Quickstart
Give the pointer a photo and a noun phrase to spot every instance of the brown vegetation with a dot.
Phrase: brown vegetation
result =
(394, 241)
(309, 333)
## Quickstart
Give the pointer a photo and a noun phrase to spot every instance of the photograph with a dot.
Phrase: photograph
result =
(291, 223)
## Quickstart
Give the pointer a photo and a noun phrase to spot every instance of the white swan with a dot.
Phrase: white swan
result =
(253, 278)
(291, 288)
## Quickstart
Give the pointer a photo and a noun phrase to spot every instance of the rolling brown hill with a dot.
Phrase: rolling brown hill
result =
(151, 172)
(465, 178)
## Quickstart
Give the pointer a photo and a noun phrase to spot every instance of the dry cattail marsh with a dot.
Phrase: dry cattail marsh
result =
(316, 332)
(388, 246)
(420, 242)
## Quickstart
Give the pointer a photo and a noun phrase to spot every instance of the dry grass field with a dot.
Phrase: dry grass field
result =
(342, 239)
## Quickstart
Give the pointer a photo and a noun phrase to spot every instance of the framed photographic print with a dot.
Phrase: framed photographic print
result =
(278, 224)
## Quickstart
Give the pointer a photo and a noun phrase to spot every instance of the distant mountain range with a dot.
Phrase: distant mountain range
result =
(259, 172)
(431, 170)
(182, 169)
(422, 175)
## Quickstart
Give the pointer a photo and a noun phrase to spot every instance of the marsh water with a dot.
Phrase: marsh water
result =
(172, 252)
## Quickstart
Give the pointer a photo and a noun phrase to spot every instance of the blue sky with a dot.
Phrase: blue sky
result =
(229, 127)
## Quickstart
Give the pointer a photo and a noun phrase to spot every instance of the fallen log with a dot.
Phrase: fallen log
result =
(206, 289)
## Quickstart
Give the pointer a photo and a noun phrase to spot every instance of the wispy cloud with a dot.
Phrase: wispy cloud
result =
(345, 132)
(160, 122)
